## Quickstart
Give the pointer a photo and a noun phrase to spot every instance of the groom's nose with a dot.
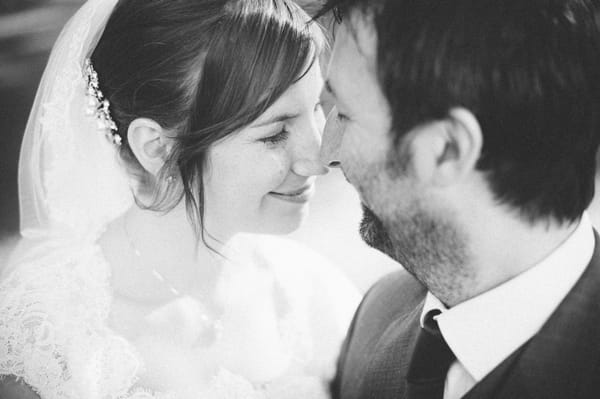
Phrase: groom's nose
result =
(332, 138)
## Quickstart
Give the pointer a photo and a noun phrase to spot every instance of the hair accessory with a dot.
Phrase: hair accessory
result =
(98, 105)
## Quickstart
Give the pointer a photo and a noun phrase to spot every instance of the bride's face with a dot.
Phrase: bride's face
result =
(261, 178)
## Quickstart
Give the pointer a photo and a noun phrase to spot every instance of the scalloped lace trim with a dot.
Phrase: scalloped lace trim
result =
(53, 333)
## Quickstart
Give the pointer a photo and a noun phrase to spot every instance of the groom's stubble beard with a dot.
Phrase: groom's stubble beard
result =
(430, 246)
(374, 234)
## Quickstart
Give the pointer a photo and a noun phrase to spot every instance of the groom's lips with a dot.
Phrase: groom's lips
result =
(298, 196)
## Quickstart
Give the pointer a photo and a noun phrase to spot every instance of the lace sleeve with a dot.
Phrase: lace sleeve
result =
(53, 333)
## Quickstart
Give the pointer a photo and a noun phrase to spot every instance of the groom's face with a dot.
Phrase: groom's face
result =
(357, 134)
(401, 216)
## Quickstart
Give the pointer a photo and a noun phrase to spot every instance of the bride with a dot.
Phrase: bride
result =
(169, 140)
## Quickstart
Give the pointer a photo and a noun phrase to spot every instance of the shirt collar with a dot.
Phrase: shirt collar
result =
(486, 329)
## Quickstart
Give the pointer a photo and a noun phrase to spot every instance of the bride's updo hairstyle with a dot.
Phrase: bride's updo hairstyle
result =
(201, 69)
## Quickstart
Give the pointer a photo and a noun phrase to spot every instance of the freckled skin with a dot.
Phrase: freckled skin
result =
(244, 169)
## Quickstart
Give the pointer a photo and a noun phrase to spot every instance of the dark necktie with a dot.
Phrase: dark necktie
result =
(429, 363)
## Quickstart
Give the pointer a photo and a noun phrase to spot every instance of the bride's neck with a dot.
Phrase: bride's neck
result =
(170, 235)
(144, 244)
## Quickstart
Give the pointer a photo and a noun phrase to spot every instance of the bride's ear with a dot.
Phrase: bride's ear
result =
(148, 142)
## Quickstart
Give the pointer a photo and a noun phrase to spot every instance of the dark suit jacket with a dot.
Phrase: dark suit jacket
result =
(561, 361)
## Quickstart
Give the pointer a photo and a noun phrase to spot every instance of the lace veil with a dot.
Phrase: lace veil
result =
(70, 181)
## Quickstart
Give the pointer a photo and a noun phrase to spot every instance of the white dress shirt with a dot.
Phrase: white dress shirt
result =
(486, 329)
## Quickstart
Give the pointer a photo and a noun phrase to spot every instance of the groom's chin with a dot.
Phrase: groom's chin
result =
(373, 232)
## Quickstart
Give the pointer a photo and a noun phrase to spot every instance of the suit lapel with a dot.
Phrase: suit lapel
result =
(562, 359)
(388, 366)
(491, 384)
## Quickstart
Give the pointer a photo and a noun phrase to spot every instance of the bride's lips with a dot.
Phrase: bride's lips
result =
(299, 195)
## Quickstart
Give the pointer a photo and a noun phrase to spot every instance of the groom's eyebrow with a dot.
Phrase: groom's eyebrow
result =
(329, 88)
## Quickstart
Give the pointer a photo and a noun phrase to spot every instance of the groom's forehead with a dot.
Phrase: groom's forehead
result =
(355, 46)
(359, 30)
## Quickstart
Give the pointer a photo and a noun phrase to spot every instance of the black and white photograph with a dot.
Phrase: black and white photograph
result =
(299, 199)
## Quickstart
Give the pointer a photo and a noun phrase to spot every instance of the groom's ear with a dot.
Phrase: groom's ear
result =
(445, 151)
(148, 142)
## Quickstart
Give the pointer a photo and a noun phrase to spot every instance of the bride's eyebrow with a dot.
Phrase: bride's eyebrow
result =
(277, 119)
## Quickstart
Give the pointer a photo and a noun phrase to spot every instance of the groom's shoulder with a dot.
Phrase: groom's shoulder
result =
(397, 286)
(391, 297)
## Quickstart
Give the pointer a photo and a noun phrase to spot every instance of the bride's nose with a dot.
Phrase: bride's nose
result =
(309, 167)
(306, 158)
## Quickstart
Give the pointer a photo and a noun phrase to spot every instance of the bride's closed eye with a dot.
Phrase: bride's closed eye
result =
(277, 138)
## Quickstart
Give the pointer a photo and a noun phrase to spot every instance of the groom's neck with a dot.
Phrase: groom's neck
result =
(504, 246)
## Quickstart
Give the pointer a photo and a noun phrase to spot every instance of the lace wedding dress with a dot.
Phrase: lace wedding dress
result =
(56, 334)
(284, 311)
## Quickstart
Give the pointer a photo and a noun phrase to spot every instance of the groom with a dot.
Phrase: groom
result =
(470, 130)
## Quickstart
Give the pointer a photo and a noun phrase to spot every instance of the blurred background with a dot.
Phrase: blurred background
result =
(28, 29)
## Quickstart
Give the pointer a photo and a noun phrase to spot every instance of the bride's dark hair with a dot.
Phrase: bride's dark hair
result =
(201, 69)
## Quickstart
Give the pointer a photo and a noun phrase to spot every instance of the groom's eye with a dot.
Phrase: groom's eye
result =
(341, 117)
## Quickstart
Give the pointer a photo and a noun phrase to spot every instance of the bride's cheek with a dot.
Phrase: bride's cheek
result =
(274, 167)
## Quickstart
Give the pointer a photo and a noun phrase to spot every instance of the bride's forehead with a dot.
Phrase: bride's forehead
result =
(295, 98)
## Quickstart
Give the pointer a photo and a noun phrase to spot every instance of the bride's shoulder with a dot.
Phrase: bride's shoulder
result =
(47, 285)
(51, 266)
(53, 301)
(326, 285)
(296, 258)
(330, 298)
(284, 253)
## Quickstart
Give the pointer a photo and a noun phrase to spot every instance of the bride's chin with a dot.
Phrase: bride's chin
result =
(279, 224)
(282, 224)
(282, 230)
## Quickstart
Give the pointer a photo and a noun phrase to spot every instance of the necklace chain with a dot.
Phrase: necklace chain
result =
(213, 324)
(214, 332)
(155, 273)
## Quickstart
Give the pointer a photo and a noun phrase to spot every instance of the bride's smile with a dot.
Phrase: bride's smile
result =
(301, 195)
(260, 179)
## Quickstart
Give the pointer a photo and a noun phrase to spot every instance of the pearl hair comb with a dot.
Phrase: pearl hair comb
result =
(98, 105)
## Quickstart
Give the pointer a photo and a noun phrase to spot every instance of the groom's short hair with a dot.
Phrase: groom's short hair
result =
(529, 70)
